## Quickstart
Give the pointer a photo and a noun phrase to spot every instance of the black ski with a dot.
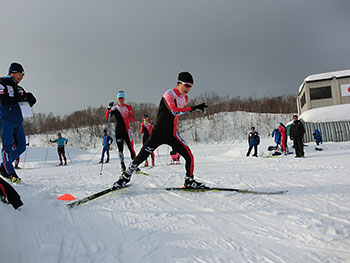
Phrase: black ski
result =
(94, 196)
(220, 189)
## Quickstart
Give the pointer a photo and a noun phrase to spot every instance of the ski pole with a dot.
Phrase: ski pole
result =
(103, 154)
(25, 157)
(69, 156)
(101, 168)
(94, 155)
(47, 150)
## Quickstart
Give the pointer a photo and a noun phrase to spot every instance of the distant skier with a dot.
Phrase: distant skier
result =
(11, 119)
(297, 131)
(282, 130)
(146, 130)
(107, 142)
(277, 137)
(253, 141)
(317, 137)
(124, 116)
(61, 142)
(172, 105)
(175, 157)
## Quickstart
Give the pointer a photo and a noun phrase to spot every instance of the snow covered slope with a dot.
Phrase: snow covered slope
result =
(221, 127)
(141, 224)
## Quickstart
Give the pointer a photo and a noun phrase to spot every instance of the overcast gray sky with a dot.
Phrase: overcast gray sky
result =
(79, 53)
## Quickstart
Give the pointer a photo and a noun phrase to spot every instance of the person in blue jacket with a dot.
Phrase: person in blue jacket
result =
(61, 142)
(253, 141)
(107, 141)
(317, 137)
(11, 119)
(277, 137)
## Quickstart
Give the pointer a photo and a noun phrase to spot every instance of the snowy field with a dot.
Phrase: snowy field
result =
(311, 223)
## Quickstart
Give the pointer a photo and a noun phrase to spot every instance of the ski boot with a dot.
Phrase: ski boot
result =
(100, 161)
(191, 183)
(107, 161)
(122, 181)
(14, 178)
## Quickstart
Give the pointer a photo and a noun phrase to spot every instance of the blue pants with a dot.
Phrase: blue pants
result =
(105, 150)
(9, 154)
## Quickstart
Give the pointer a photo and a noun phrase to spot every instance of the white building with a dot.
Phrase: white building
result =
(326, 89)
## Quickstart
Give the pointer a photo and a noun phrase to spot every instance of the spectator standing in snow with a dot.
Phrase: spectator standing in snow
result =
(277, 137)
(172, 105)
(146, 130)
(317, 137)
(124, 116)
(297, 131)
(107, 141)
(61, 142)
(282, 130)
(175, 157)
(253, 141)
(11, 119)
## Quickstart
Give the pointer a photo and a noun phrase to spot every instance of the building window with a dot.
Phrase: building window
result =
(303, 100)
(320, 93)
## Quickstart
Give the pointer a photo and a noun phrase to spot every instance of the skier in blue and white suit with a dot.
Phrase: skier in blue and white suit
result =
(277, 135)
(11, 119)
(107, 141)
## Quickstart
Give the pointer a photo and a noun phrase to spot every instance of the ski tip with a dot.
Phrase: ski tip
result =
(66, 197)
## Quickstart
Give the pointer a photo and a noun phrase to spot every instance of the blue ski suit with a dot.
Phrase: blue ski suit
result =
(107, 141)
(11, 120)
(277, 135)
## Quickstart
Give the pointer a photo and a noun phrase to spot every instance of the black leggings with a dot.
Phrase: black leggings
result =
(158, 138)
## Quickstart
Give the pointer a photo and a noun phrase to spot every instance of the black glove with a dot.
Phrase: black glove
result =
(110, 105)
(29, 97)
(201, 107)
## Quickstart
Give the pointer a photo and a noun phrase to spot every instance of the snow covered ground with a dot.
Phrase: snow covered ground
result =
(311, 223)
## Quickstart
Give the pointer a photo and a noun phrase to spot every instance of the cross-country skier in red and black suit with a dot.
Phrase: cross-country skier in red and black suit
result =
(146, 130)
(172, 105)
(124, 115)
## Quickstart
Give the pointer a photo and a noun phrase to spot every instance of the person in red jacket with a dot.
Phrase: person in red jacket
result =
(146, 130)
(282, 130)
(171, 107)
(124, 116)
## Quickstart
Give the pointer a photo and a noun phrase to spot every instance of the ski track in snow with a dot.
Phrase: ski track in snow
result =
(140, 224)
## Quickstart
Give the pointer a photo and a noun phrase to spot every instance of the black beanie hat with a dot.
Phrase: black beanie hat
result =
(185, 77)
(16, 68)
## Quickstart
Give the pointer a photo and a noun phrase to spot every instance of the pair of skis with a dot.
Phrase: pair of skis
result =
(206, 189)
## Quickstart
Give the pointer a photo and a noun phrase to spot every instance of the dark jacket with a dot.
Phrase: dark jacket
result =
(10, 95)
(297, 130)
(253, 138)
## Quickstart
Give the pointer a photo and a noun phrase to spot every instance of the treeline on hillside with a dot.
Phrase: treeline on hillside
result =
(93, 118)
